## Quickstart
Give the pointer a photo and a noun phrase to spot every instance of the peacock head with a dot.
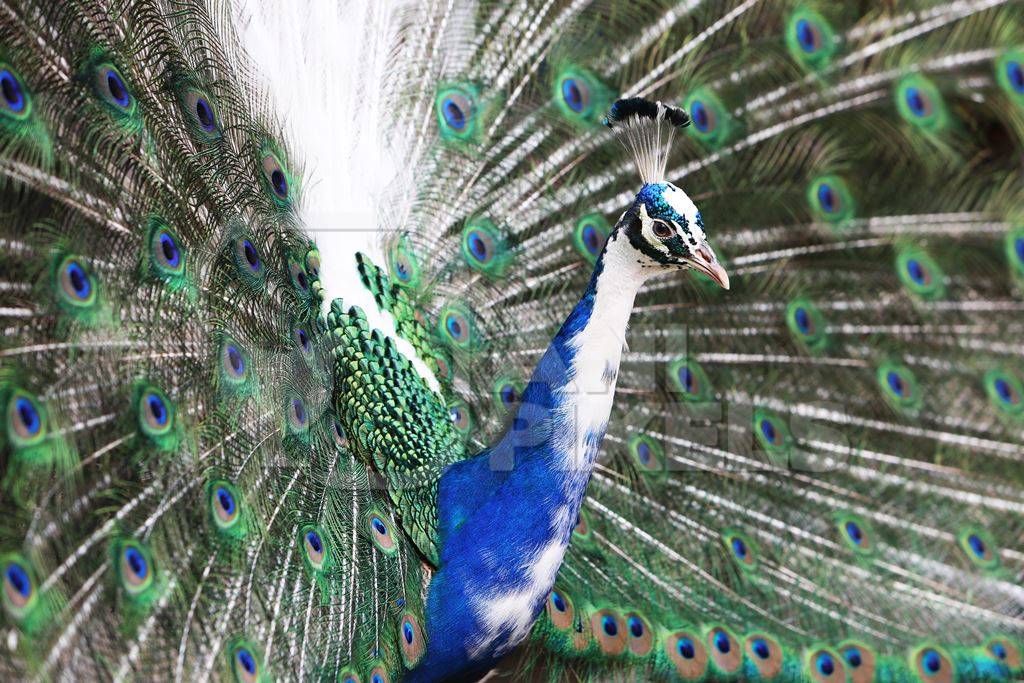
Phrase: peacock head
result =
(666, 230)
(663, 226)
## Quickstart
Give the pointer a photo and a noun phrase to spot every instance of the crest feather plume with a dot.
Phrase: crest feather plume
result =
(646, 129)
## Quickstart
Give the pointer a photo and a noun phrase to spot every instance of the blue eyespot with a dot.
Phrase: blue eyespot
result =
(302, 340)
(250, 256)
(225, 500)
(686, 378)
(853, 657)
(117, 89)
(246, 661)
(643, 452)
(1004, 390)
(609, 626)
(279, 182)
(768, 430)
(205, 115)
(17, 578)
(1015, 75)
(636, 627)
(559, 602)
(572, 95)
(301, 280)
(477, 246)
(999, 650)
(592, 240)
(825, 664)
(827, 198)
(722, 643)
(976, 544)
(760, 648)
(298, 413)
(407, 632)
(700, 116)
(931, 661)
(171, 255)
(739, 548)
(853, 530)
(379, 526)
(235, 361)
(918, 102)
(314, 541)
(508, 394)
(377, 678)
(29, 421)
(136, 562)
(803, 320)
(10, 88)
(157, 409)
(917, 272)
(454, 326)
(453, 113)
(1018, 246)
(75, 281)
(895, 382)
(686, 649)
(806, 36)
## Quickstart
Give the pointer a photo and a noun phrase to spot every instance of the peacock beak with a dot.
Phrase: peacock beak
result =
(705, 261)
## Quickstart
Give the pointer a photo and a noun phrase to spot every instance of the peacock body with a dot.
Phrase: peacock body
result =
(802, 463)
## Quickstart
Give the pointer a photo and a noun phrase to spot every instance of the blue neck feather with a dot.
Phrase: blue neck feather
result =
(506, 515)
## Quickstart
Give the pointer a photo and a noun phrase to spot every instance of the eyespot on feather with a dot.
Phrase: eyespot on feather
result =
(639, 634)
(200, 112)
(314, 547)
(245, 663)
(609, 631)
(381, 531)
(560, 610)
(766, 655)
(860, 661)
(77, 287)
(687, 654)
(20, 587)
(15, 100)
(410, 639)
(932, 664)
(724, 649)
(1006, 651)
(979, 547)
(823, 665)
(26, 423)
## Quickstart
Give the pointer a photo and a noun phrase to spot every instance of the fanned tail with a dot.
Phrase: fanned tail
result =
(818, 473)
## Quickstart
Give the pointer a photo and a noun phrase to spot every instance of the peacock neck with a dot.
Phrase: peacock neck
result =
(506, 516)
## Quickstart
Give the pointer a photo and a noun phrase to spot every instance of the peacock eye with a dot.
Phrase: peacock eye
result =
(456, 110)
(575, 94)
(111, 87)
(662, 230)
(703, 118)
(199, 108)
(275, 176)
(13, 100)
(76, 284)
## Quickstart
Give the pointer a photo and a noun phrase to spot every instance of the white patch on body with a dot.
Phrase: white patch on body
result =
(513, 611)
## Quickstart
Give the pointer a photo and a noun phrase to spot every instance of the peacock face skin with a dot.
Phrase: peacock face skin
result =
(666, 227)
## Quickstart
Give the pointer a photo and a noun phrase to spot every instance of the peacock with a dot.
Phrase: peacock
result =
(647, 340)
